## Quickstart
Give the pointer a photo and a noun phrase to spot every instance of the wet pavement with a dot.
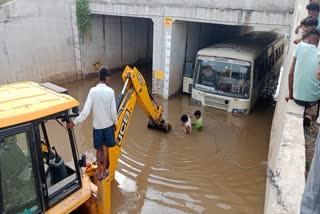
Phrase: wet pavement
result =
(215, 170)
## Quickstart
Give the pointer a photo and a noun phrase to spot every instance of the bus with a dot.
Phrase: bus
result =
(232, 75)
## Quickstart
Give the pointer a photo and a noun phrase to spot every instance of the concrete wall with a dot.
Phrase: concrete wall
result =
(286, 150)
(36, 41)
(39, 41)
(117, 41)
(201, 35)
(271, 5)
(240, 12)
(249, 13)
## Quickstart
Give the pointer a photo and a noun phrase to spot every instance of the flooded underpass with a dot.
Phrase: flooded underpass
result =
(216, 170)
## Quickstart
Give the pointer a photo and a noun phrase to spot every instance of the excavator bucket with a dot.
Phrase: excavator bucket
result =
(135, 89)
(166, 127)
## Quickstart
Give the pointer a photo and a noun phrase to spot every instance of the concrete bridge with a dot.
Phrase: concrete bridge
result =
(239, 12)
(39, 42)
(162, 32)
(175, 31)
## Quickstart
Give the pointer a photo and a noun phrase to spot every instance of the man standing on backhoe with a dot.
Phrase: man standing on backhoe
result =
(101, 100)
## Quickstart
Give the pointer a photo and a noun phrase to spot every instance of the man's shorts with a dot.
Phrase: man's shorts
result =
(305, 103)
(103, 137)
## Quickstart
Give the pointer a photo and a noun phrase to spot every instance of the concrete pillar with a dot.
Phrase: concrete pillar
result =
(75, 40)
(167, 57)
(169, 49)
(158, 51)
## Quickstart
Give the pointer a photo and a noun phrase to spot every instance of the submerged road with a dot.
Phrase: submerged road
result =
(211, 171)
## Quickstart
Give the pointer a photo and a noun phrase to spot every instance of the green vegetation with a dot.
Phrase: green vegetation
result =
(83, 17)
(3, 1)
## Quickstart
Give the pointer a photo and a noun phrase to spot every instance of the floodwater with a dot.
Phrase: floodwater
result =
(211, 171)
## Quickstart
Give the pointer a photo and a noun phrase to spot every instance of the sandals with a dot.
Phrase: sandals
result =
(98, 176)
(103, 175)
(307, 120)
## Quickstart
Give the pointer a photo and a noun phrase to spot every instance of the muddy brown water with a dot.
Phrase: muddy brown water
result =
(204, 172)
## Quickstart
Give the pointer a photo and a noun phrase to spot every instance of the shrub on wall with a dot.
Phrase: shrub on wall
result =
(83, 17)
(3, 1)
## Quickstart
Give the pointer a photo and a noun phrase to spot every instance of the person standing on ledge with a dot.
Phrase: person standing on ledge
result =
(101, 100)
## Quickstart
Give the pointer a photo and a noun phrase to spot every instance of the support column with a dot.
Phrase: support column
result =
(75, 41)
(161, 55)
(167, 55)
(158, 62)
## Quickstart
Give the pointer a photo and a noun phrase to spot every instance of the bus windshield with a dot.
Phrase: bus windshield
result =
(222, 76)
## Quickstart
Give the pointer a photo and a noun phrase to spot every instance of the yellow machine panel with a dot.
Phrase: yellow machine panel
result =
(27, 101)
(26, 109)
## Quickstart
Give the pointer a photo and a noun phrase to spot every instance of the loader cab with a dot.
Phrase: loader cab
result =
(38, 156)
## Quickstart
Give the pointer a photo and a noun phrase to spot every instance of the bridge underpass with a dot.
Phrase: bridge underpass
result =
(171, 18)
(48, 23)
(169, 34)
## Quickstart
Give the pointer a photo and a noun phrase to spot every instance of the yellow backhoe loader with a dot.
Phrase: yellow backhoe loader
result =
(40, 170)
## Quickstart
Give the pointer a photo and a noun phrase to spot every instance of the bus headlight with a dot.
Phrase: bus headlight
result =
(197, 102)
(240, 111)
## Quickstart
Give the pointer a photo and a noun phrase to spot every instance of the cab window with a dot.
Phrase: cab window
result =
(58, 161)
(18, 184)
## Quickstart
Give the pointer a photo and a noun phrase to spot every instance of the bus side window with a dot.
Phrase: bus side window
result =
(274, 58)
(267, 65)
(255, 73)
(261, 67)
(279, 53)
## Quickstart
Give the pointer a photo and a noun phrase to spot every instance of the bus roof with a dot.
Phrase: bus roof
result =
(27, 101)
(246, 47)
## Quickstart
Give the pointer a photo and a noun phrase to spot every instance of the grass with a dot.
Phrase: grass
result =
(310, 139)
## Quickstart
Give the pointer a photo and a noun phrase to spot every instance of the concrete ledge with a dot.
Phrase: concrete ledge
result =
(286, 158)
(288, 178)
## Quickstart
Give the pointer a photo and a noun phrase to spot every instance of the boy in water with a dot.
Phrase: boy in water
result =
(198, 121)
(186, 123)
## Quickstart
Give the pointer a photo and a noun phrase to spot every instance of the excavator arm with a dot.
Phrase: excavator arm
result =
(67, 193)
(134, 81)
(134, 90)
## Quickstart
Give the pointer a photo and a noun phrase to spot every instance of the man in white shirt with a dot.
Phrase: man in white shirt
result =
(101, 100)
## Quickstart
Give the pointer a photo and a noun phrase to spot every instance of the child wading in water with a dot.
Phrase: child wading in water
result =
(198, 121)
(186, 123)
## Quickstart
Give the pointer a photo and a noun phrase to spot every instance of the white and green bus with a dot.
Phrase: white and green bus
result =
(231, 75)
